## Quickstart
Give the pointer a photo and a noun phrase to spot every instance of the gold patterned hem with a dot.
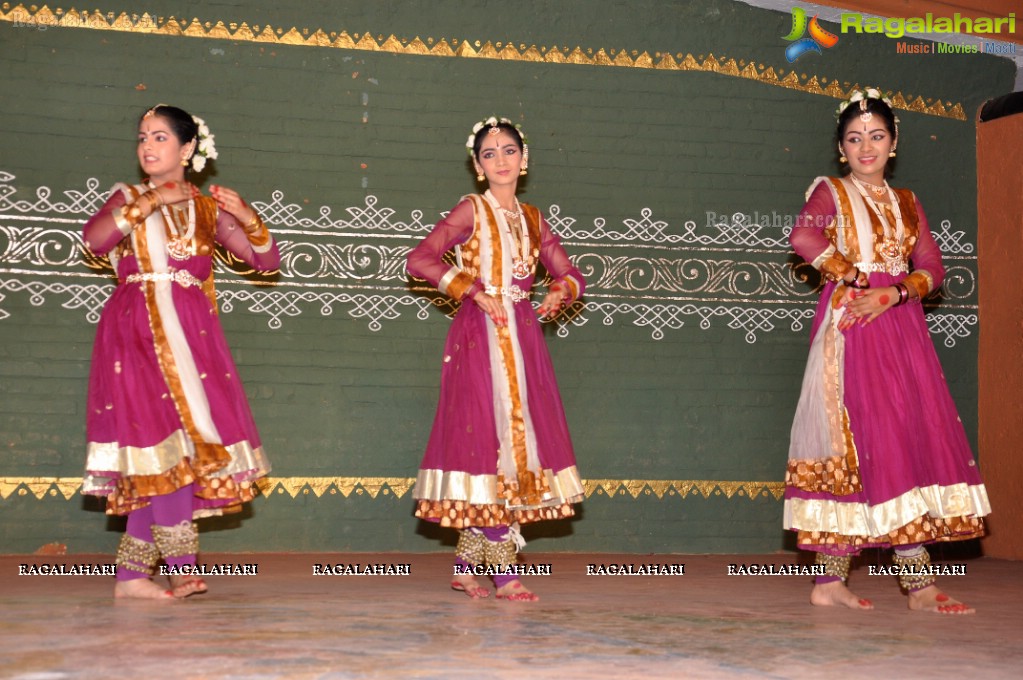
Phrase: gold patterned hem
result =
(828, 475)
(133, 492)
(924, 529)
(528, 490)
(462, 514)
(543, 489)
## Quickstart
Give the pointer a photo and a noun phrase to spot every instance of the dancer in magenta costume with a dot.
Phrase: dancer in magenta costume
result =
(170, 434)
(500, 453)
(878, 455)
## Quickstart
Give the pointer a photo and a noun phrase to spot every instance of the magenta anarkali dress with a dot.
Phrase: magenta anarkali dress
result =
(166, 407)
(878, 455)
(499, 451)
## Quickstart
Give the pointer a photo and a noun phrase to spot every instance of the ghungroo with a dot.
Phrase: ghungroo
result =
(177, 541)
(472, 547)
(835, 565)
(500, 554)
(914, 569)
(137, 555)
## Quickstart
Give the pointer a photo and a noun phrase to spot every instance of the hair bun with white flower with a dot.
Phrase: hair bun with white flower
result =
(493, 121)
(205, 149)
(860, 95)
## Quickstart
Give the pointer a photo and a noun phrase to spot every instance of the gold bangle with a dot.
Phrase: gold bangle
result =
(155, 199)
(253, 225)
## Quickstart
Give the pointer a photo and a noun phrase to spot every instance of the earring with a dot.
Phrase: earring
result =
(891, 154)
(522, 172)
(841, 155)
(480, 177)
(184, 162)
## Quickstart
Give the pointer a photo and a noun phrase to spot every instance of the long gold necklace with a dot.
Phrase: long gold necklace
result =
(522, 266)
(891, 244)
(180, 245)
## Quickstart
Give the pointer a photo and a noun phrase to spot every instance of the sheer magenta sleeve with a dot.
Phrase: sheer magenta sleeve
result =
(813, 237)
(928, 271)
(105, 229)
(426, 261)
(257, 249)
(555, 259)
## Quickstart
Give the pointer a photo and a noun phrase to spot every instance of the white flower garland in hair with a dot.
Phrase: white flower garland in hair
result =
(860, 95)
(205, 149)
(493, 121)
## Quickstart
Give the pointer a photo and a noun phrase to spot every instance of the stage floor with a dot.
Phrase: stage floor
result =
(286, 622)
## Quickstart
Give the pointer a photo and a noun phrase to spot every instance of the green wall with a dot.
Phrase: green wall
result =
(683, 366)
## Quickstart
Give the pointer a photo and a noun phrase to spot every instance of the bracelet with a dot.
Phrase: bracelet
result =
(855, 283)
(903, 294)
(471, 291)
(253, 225)
(155, 199)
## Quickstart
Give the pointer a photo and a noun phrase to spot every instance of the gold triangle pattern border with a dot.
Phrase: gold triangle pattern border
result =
(375, 487)
(43, 17)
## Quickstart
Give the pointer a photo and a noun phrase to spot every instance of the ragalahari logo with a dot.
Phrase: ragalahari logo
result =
(818, 36)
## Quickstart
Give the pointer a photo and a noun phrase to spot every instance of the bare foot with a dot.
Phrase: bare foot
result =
(931, 599)
(185, 585)
(142, 589)
(514, 591)
(467, 583)
(836, 593)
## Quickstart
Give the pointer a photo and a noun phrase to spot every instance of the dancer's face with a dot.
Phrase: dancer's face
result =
(160, 152)
(866, 145)
(500, 158)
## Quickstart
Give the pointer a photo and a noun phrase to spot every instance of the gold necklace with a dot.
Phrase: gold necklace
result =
(878, 191)
(180, 245)
(522, 264)
(891, 243)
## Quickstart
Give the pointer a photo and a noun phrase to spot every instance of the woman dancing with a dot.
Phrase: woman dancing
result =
(499, 454)
(878, 455)
(170, 434)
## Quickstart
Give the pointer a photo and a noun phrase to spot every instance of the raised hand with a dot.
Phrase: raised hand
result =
(230, 202)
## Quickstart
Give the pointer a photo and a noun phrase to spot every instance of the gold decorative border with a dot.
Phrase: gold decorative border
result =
(43, 17)
(67, 487)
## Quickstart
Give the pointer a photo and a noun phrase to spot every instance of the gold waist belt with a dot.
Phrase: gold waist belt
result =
(181, 277)
(514, 292)
(892, 267)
